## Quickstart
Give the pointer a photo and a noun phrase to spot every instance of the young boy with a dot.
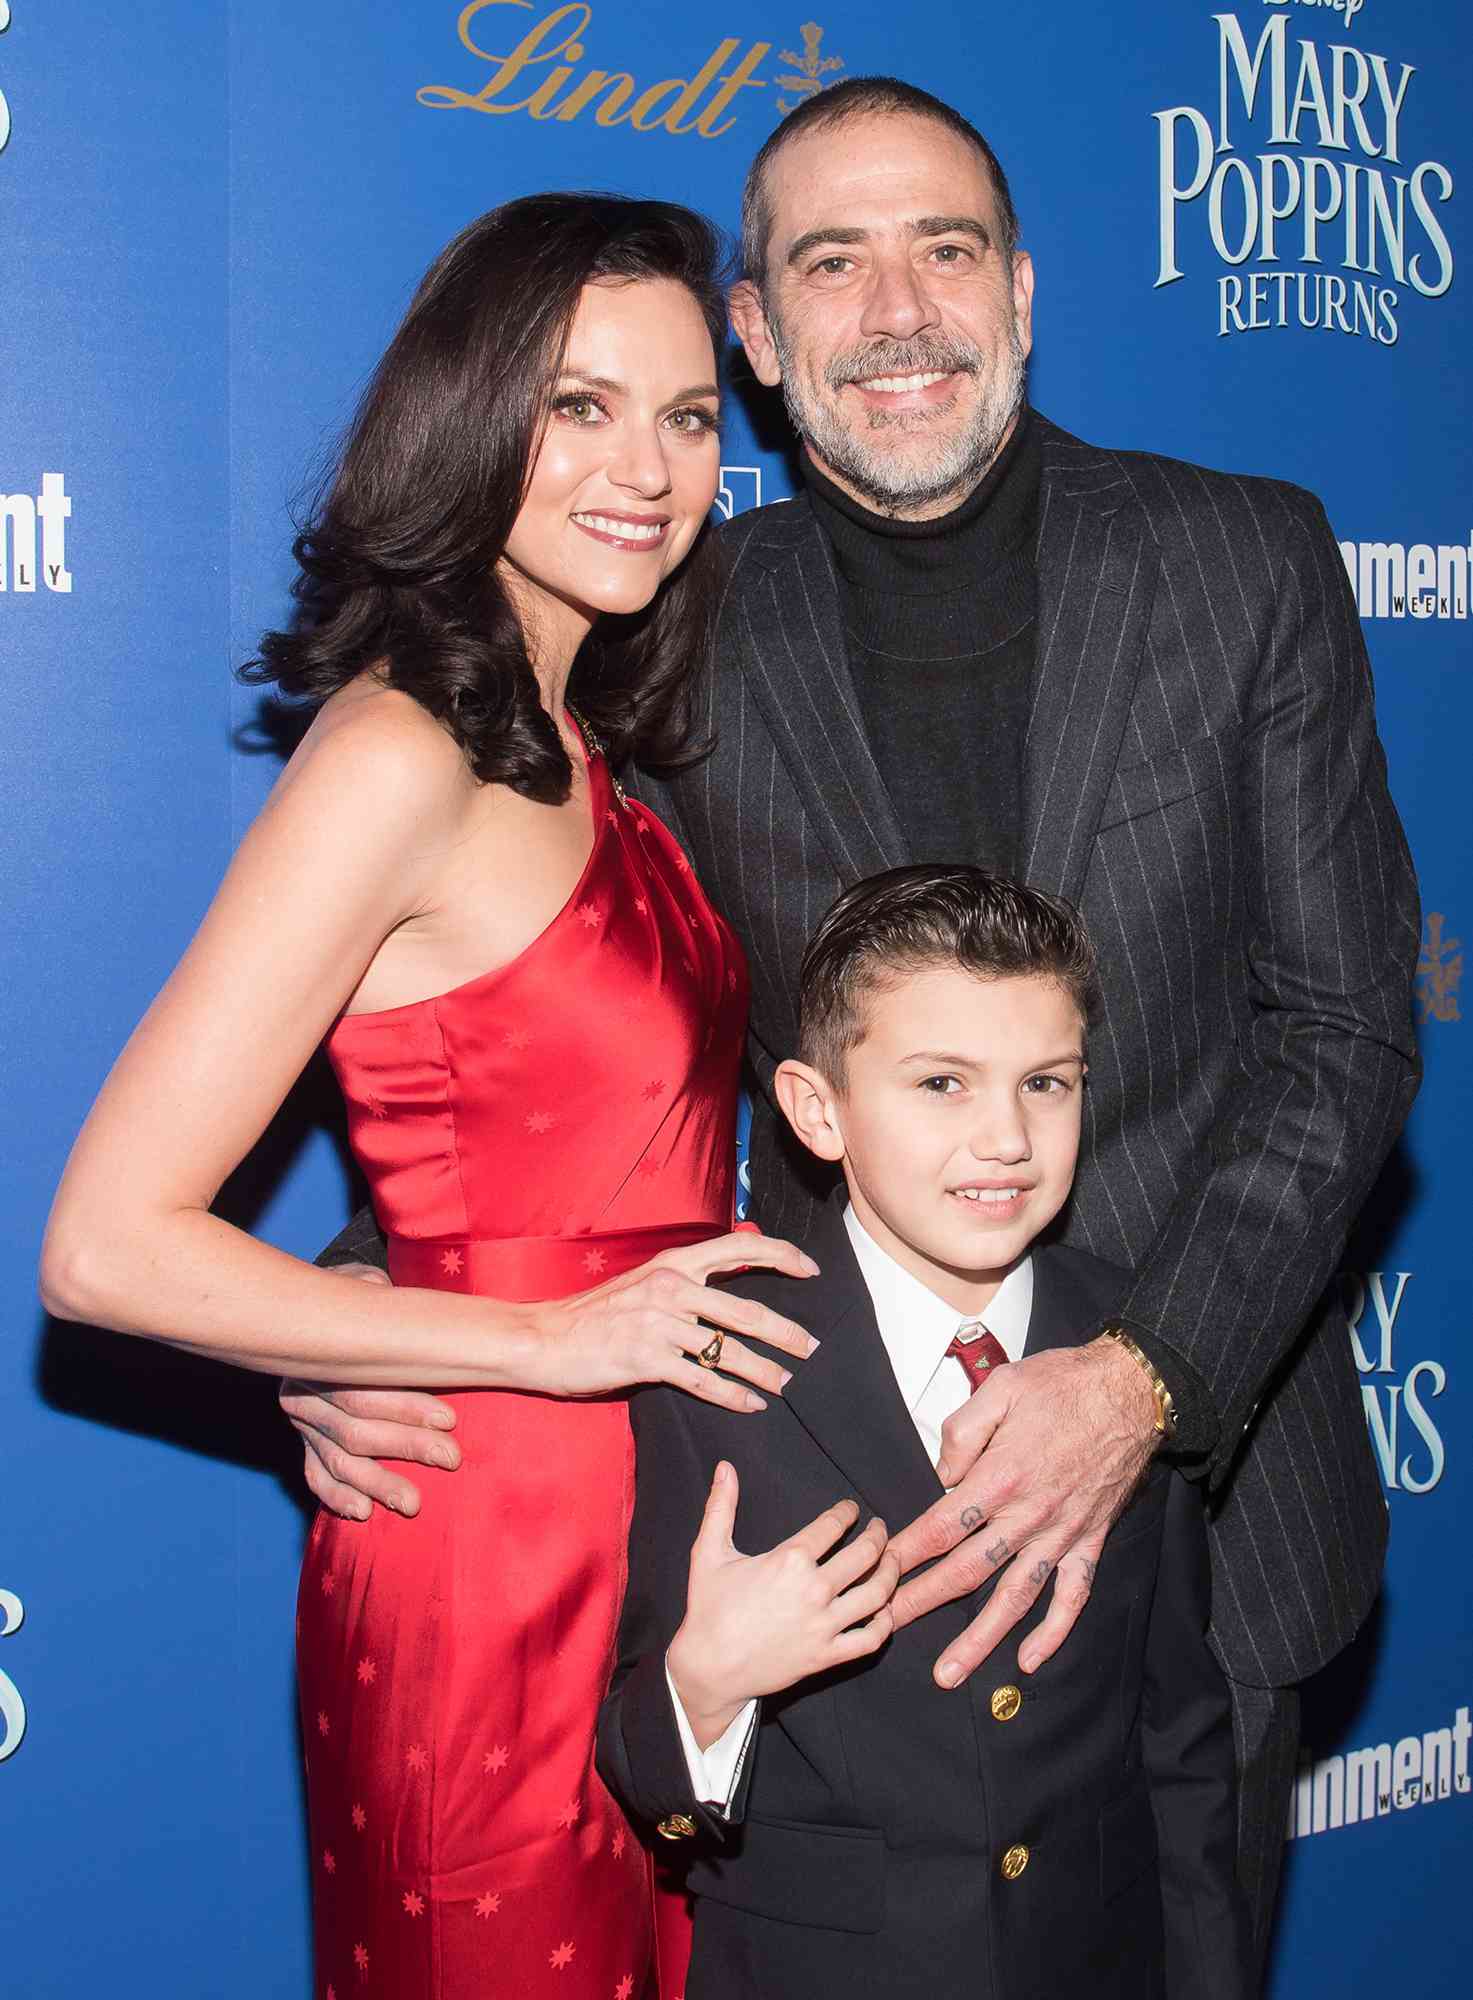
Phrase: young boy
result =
(854, 1829)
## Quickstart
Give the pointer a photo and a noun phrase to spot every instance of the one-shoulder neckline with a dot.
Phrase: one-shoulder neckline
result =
(600, 785)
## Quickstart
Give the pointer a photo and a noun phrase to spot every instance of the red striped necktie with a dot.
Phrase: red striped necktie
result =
(978, 1351)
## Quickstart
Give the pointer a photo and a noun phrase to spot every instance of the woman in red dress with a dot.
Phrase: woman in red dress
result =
(537, 1020)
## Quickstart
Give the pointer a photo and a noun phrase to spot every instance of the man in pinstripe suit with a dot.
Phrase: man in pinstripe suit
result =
(1188, 752)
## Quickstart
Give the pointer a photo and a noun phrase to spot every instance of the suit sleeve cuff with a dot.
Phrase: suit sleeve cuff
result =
(715, 1771)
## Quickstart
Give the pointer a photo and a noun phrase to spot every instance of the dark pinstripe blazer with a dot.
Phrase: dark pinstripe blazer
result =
(1203, 779)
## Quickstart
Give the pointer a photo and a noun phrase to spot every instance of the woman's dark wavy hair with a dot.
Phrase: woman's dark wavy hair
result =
(398, 560)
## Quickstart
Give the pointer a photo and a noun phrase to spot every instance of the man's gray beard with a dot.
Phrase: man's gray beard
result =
(959, 459)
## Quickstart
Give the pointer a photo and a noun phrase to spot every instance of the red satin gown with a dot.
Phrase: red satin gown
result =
(528, 1135)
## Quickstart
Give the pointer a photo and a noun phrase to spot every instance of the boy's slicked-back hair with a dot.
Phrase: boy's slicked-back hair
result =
(927, 915)
(858, 97)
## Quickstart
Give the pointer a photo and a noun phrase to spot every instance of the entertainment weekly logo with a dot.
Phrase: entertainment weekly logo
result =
(1303, 161)
(1359, 1785)
(33, 537)
(1405, 1433)
(1420, 580)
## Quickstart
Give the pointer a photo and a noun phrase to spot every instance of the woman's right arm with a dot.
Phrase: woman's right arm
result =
(345, 850)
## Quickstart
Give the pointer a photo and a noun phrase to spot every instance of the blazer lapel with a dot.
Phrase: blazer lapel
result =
(846, 1396)
(1097, 567)
(1063, 1314)
(794, 660)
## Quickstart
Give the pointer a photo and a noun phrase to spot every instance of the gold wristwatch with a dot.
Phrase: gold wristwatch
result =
(1165, 1408)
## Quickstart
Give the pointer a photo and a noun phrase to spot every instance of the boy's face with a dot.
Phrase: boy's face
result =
(958, 1123)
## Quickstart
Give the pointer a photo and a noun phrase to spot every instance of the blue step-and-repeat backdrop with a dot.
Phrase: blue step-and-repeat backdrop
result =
(1248, 226)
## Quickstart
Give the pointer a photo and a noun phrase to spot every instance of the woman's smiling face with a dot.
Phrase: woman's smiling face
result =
(629, 462)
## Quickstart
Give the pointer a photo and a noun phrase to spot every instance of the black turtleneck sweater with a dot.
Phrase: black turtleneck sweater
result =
(940, 622)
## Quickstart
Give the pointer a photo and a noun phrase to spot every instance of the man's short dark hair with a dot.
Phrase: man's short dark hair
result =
(858, 97)
(927, 915)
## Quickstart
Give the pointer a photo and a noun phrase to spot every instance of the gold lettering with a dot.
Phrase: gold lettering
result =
(608, 113)
(669, 106)
(741, 78)
(595, 81)
(539, 104)
(642, 117)
(445, 97)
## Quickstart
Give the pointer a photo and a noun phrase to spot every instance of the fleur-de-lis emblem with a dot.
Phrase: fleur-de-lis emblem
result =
(1439, 972)
(811, 68)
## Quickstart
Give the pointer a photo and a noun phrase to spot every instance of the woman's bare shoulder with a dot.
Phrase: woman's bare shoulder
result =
(382, 754)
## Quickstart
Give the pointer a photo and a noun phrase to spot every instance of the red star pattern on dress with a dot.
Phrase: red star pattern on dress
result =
(487, 1905)
(328, 1582)
(594, 1261)
(417, 1757)
(539, 1122)
(367, 1673)
(625, 1987)
(324, 1723)
(590, 916)
(360, 1819)
(619, 1841)
(515, 1038)
(375, 1106)
(681, 862)
(612, 817)
(562, 1958)
(731, 979)
(329, 1861)
(495, 1759)
(569, 1814)
(414, 1903)
(693, 918)
(653, 1089)
(360, 1959)
(642, 906)
(451, 1263)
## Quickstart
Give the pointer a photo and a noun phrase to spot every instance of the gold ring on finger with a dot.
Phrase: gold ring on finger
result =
(710, 1355)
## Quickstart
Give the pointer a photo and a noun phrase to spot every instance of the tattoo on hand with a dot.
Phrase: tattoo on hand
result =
(1038, 1576)
(971, 1517)
(999, 1552)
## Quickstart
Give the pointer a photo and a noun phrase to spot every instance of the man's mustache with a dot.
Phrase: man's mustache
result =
(923, 356)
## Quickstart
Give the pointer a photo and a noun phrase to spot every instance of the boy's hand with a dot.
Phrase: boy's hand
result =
(757, 1624)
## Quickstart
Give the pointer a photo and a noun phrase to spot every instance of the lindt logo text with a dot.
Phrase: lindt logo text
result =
(1324, 178)
(540, 76)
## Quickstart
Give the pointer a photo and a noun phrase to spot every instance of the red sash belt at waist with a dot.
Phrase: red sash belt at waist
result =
(521, 1268)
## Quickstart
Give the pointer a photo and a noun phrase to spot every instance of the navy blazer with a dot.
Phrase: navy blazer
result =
(866, 1842)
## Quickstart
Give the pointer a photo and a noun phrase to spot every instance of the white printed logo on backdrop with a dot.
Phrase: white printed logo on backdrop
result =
(12, 1708)
(1409, 580)
(1302, 176)
(740, 490)
(33, 536)
(1382, 1778)
(1405, 1432)
(4, 100)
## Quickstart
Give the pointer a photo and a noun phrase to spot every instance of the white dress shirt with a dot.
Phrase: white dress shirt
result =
(916, 1328)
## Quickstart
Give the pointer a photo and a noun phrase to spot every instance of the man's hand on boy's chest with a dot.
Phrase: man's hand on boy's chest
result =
(787, 1480)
